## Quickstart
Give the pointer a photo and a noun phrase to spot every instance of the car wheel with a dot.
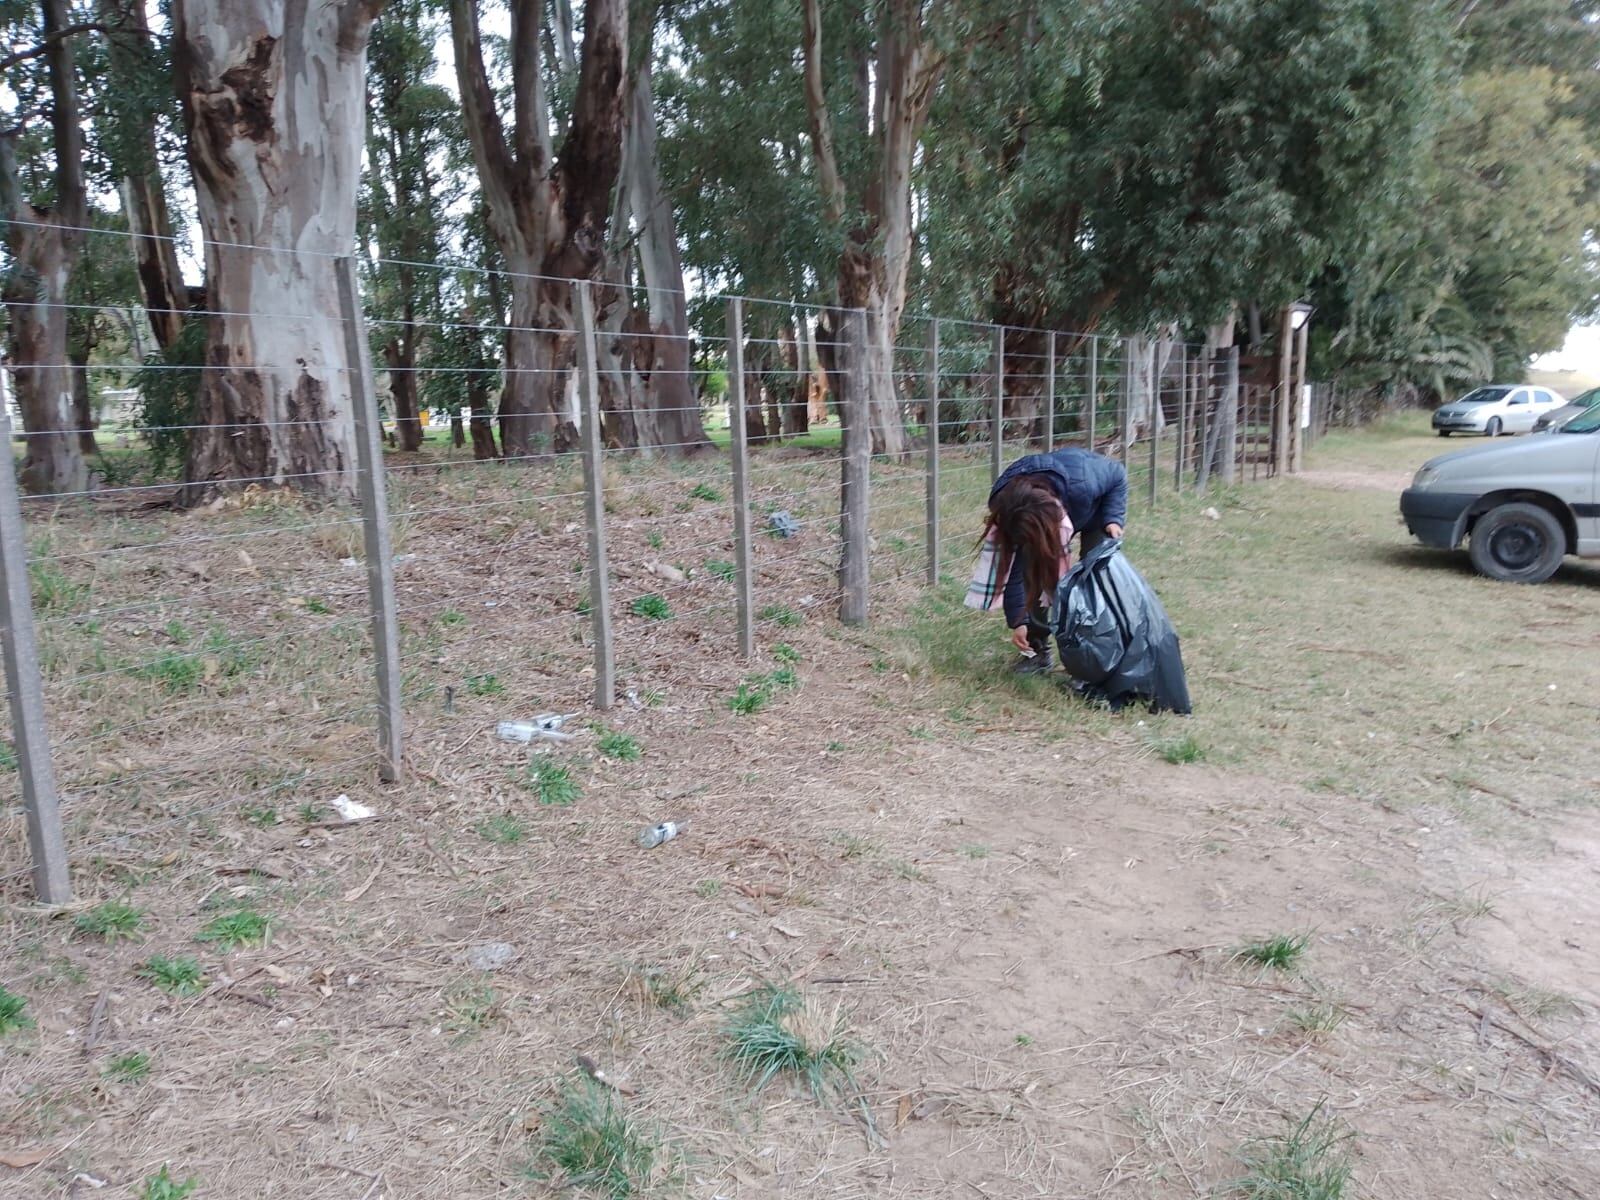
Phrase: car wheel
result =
(1444, 433)
(1494, 427)
(1518, 543)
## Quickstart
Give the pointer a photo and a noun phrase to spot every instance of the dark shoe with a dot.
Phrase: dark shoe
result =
(1040, 664)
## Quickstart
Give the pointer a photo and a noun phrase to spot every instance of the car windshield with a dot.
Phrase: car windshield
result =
(1584, 422)
(1484, 395)
(1589, 399)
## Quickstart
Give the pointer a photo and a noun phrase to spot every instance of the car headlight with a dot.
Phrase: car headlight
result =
(1425, 479)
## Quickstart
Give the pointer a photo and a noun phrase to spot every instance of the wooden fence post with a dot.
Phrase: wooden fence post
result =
(997, 415)
(1050, 393)
(605, 684)
(933, 453)
(743, 560)
(1092, 403)
(855, 411)
(376, 543)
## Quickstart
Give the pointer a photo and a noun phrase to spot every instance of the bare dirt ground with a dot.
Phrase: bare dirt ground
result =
(1025, 918)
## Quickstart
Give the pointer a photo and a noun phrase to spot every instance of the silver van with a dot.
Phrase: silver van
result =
(1522, 507)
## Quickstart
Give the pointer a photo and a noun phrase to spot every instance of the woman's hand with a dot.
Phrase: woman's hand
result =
(1019, 639)
(1114, 530)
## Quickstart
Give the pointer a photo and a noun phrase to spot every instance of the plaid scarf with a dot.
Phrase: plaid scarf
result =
(988, 583)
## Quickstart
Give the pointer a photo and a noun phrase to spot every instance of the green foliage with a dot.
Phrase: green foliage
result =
(241, 928)
(651, 606)
(487, 684)
(596, 1145)
(704, 491)
(618, 746)
(724, 571)
(502, 829)
(110, 921)
(128, 1068)
(1185, 749)
(162, 1186)
(168, 391)
(12, 1016)
(782, 615)
(551, 783)
(180, 975)
(1310, 1162)
(784, 653)
(1280, 952)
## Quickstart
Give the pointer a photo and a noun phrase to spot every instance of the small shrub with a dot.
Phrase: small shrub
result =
(652, 607)
(318, 607)
(617, 746)
(595, 1144)
(784, 653)
(724, 571)
(1315, 1021)
(1310, 1162)
(52, 590)
(180, 976)
(551, 783)
(110, 921)
(263, 816)
(162, 1186)
(235, 930)
(1281, 952)
(128, 1068)
(704, 491)
(708, 889)
(12, 1018)
(748, 699)
(779, 1032)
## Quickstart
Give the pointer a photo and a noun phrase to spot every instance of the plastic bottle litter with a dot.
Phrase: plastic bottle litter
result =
(546, 727)
(782, 524)
(656, 834)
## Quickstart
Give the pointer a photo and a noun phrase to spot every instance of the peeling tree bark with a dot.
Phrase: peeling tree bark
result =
(548, 214)
(274, 102)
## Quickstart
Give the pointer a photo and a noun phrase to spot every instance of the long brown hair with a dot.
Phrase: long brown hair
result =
(1025, 516)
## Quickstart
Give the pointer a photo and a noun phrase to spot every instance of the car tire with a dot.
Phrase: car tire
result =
(1494, 428)
(1518, 543)
(1444, 433)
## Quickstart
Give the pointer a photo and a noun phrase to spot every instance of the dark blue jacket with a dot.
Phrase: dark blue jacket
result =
(1091, 487)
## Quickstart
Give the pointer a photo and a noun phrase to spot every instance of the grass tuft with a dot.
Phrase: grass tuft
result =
(1310, 1162)
(779, 1032)
(749, 699)
(784, 653)
(1315, 1021)
(652, 607)
(781, 615)
(502, 829)
(1280, 952)
(1181, 751)
(704, 491)
(128, 1068)
(110, 921)
(595, 1144)
(486, 684)
(721, 569)
(180, 975)
(162, 1186)
(240, 928)
(617, 746)
(12, 1018)
(551, 783)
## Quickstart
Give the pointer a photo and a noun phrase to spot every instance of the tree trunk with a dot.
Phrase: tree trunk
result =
(755, 374)
(82, 400)
(44, 245)
(275, 107)
(144, 197)
(677, 425)
(400, 354)
(482, 423)
(797, 410)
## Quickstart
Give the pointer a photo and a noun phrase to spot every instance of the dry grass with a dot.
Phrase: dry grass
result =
(979, 872)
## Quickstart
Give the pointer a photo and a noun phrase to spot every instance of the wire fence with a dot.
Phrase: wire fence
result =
(285, 574)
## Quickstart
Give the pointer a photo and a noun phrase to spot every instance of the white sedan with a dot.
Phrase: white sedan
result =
(1496, 409)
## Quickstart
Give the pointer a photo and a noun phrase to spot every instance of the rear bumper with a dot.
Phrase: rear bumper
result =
(1436, 519)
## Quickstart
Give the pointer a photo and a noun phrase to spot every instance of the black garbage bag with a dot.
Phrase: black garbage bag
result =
(1114, 636)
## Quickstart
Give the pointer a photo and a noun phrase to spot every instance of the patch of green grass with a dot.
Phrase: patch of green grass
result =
(1280, 952)
(908, 871)
(310, 813)
(52, 590)
(707, 889)
(12, 1017)
(128, 1068)
(502, 829)
(450, 618)
(471, 1007)
(174, 670)
(704, 491)
(1023, 1039)
(110, 921)
(617, 746)
(233, 931)
(1310, 1162)
(853, 847)
(1536, 1003)
(1181, 751)
(784, 653)
(551, 783)
(595, 1144)
(779, 1032)
(263, 816)
(584, 607)
(724, 571)
(836, 747)
(671, 991)
(749, 699)
(485, 684)
(180, 975)
(781, 615)
(975, 851)
(651, 606)
(318, 607)
(656, 541)
(162, 1186)
(8, 757)
(1315, 1021)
